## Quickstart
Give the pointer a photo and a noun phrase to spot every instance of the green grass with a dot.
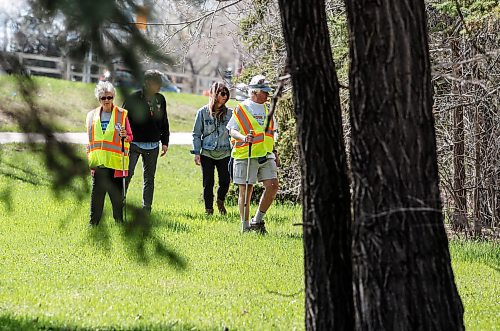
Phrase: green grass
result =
(66, 104)
(477, 273)
(55, 273)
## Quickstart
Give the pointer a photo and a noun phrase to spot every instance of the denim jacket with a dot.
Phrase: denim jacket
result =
(209, 133)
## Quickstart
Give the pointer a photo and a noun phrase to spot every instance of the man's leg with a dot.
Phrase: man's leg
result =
(271, 187)
(241, 201)
(133, 158)
(207, 169)
(268, 175)
(149, 161)
(240, 178)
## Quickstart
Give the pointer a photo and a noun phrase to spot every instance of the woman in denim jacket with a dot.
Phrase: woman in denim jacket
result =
(211, 146)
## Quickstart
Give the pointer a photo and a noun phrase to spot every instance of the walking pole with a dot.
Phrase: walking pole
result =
(124, 190)
(245, 224)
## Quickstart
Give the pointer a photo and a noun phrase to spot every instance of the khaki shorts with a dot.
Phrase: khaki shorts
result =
(260, 172)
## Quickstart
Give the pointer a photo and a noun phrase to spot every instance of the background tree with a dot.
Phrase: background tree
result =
(323, 160)
(464, 49)
(401, 263)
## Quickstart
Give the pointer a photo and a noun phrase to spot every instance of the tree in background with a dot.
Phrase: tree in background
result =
(403, 278)
(323, 161)
(37, 35)
(464, 48)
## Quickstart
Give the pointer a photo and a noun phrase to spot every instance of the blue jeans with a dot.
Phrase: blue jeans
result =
(149, 161)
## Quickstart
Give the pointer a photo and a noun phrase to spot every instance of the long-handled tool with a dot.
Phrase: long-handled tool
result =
(246, 223)
(124, 189)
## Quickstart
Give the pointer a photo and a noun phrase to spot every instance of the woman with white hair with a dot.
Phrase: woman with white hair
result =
(107, 128)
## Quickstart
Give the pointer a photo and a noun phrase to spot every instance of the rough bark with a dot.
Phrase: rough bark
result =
(325, 184)
(402, 270)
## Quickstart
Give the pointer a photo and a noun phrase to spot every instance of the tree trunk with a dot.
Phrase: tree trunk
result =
(459, 217)
(402, 270)
(325, 184)
(478, 183)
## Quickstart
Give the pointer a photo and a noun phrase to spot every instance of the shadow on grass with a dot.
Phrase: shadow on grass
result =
(140, 241)
(6, 199)
(27, 176)
(494, 267)
(100, 237)
(172, 226)
(295, 236)
(28, 323)
(202, 217)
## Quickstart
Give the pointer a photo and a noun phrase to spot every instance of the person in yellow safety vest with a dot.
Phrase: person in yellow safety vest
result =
(106, 125)
(247, 126)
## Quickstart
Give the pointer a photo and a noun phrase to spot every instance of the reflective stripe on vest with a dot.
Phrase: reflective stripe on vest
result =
(104, 148)
(262, 143)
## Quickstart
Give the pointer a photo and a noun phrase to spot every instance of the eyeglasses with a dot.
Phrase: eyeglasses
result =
(107, 98)
(223, 94)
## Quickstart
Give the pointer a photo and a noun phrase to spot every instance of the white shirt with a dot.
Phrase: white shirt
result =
(258, 112)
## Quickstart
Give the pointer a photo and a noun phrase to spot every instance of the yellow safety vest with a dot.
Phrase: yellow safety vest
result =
(105, 148)
(263, 142)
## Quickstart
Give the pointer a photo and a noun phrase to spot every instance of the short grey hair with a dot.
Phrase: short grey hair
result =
(153, 76)
(102, 87)
(253, 91)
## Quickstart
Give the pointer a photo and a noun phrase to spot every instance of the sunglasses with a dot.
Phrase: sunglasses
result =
(223, 94)
(107, 98)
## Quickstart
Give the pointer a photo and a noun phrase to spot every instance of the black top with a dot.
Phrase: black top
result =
(148, 119)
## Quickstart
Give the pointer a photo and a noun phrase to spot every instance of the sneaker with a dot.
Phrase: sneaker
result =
(260, 227)
(220, 206)
(209, 211)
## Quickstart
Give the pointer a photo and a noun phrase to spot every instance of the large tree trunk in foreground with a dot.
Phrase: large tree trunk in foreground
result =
(326, 199)
(402, 270)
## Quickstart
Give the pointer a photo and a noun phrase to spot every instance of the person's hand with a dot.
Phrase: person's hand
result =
(197, 160)
(278, 162)
(123, 133)
(164, 149)
(249, 137)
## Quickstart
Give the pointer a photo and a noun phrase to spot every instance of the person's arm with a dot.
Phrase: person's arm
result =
(197, 133)
(128, 129)
(241, 137)
(88, 121)
(165, 127)
(232, 126)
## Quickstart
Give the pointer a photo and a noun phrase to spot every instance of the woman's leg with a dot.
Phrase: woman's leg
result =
(97, 195)
(224, 181)
(207, 168)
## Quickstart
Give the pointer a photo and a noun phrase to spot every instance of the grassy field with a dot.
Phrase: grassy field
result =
(66, 103)
(56, 273)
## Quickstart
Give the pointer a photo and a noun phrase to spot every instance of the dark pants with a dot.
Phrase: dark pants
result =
(149, 161)
(104, 182)
(208, 166)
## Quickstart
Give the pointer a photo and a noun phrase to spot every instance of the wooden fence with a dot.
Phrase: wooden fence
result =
(91, 71)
